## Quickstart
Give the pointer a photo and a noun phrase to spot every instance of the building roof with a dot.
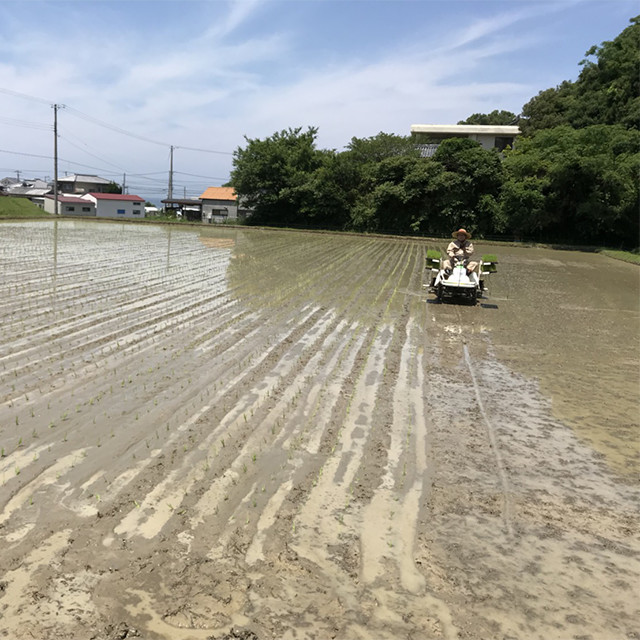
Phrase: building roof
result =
(69, 199)
(219, 193)
(114, 196)
(27, 191)
(186, 202)
(83, 177)
(473, 129)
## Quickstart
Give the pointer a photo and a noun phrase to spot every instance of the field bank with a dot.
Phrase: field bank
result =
(211, 428)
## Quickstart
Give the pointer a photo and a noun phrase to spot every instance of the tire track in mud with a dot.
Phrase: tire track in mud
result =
(464, 327)
(491, 434)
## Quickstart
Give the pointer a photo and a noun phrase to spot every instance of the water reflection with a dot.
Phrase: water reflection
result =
(55, 255)
(571, 320)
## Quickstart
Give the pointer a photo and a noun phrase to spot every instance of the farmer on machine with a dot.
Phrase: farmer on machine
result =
(460, 250)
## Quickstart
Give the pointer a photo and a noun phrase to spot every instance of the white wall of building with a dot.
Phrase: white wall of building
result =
(78, 208)
(219, 210)
(489, 136)
(117, 208)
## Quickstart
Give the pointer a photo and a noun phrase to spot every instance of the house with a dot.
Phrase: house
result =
(219, 204)
(116, 205)
(83, 183)
(428, 136)
(69, 205)
(7, 183)
(33, 189)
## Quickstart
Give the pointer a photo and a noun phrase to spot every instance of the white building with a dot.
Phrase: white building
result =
(116, 205)
(488, 135)
(69, 206)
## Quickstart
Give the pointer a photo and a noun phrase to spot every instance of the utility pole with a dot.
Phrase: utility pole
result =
(124, 183)
(170, 194)
(55, 158)
(18, 174)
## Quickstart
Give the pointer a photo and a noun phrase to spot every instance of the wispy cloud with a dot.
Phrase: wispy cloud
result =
(239, 11)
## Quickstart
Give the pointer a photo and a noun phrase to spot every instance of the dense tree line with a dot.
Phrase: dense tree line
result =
(573, 176)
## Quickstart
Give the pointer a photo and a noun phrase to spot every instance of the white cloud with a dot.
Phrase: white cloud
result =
(240, 11)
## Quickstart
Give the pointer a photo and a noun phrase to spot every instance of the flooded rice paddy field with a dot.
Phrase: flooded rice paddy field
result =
(216, 433)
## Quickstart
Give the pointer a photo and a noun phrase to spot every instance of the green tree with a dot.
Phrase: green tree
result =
(607, 90)
(379, 147)
(375, 194)
(113, 187)
(498, 117)
(271, 175)
(550, 108)
(575, 185)
(397, 195)
(475, 184)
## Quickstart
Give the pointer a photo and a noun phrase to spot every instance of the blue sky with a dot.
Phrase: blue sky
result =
(203, 74)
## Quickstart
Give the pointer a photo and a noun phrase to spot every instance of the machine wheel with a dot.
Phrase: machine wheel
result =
(440, 292)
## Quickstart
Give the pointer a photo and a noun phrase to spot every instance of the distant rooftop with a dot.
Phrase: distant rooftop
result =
(115, 196)
(219, 193)
(83, 177)
(68, 199)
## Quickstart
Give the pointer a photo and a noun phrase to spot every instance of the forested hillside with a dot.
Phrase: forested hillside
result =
(573, 176)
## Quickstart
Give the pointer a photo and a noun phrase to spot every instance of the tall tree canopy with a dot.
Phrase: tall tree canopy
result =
(499, 117)
(271, 175)
(607, 90)
(575, 184)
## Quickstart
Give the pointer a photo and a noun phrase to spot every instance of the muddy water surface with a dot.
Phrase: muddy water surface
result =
(572, 321)
(219, 433)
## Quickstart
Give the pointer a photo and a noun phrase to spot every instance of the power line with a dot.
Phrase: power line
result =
(35, 155)
(224, 153)
(30, 155)
(26, 123)
(66, 139)
(106, 125)
(195, 175)
(24, 96)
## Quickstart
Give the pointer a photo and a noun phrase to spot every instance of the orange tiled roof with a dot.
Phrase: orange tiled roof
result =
(219, 193)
